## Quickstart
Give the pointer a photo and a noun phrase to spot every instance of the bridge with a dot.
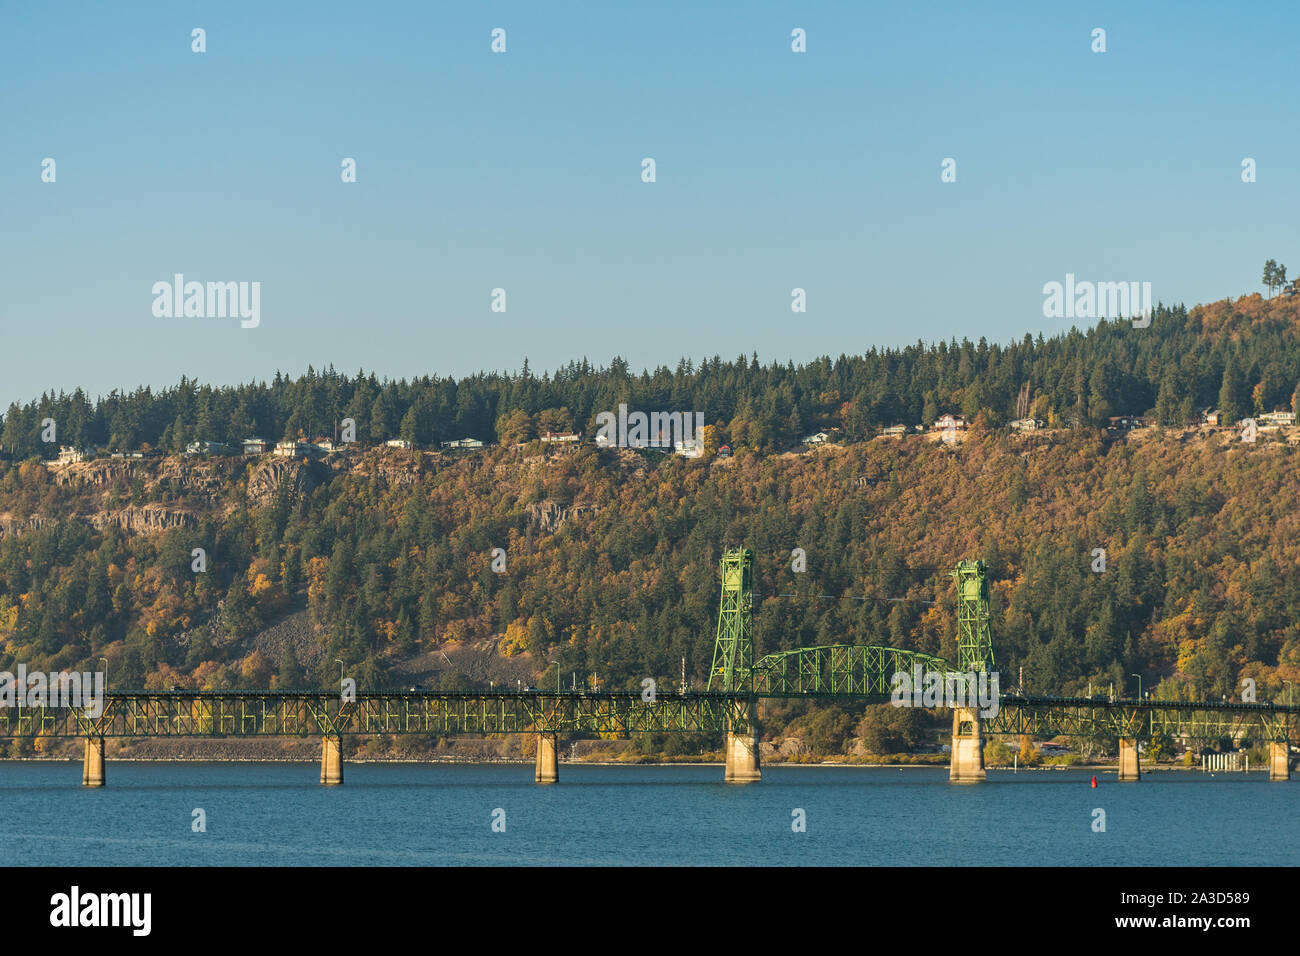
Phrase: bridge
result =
(737, 682)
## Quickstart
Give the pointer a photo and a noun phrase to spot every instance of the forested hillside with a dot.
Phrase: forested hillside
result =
(1243, 355)
(383, 558)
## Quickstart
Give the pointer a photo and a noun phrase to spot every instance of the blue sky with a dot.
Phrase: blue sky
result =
(521, 170)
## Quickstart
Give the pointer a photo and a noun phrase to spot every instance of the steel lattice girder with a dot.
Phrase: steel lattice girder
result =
(857, 671)
(974, 636)
(1081, 717)
(733, 648)
(846, 672)
(253, 714)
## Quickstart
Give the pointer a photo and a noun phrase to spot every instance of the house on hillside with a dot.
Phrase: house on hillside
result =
(68, 454)
(462, 443)
(324, 445)
(1277, 418)
(724, 451)
(689, 448)
(295, 449)
(949, 423)
(1124, 423)
(204, 447)
(895, 431)
(255, 446)
(1026, 425)
(401, 443)
(1209, 416)
(569, 438)
(818, 438)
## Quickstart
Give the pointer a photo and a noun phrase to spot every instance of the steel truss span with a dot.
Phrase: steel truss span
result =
(1140, 719)
(860, 671)
(275, 714)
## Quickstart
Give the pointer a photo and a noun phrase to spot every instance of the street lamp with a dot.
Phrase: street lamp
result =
(105, 660)
(1286, 683)
(1139, 677)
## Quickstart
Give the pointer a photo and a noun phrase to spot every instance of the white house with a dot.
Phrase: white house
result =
(689, 448)
(254, 446)
(462, 443)
(1278, 418)
(570, 438)
(68, 454)
(895, 431)
(401, 443)
(295, 449)
(820, 438)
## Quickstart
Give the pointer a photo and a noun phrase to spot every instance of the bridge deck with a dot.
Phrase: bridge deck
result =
(307, 713)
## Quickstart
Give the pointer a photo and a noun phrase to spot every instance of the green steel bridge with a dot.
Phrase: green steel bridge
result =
(737, 682)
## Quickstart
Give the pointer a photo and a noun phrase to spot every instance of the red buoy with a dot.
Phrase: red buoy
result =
(1094, 781)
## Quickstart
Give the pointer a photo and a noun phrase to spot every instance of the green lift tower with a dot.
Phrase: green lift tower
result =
(733, 652)
(974, 636)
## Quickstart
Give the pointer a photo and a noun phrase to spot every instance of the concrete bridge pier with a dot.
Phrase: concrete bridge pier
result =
(548, 761)
(742, 758)
(1279, 760)
(742, 764)
(967, 762)
(92, 766)
(1129, 765)
(331, 761)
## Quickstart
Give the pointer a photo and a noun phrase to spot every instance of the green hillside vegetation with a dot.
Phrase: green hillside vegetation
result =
(384, 558)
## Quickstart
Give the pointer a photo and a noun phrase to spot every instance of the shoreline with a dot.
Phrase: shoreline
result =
(462, 761)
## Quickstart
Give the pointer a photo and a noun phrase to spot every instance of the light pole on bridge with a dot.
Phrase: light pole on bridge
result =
(1285, 683)
(105, 660)
(1139, 677)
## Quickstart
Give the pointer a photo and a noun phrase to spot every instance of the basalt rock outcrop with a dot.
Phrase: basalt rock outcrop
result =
(142, 520)
(546, 517)
(273, 474)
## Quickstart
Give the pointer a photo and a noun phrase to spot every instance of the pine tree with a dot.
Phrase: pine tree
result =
(1230, 402)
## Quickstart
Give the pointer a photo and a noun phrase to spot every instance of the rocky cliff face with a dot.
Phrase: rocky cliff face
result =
(179, 476)
(11, 525)
(100, 473)
(139, 520)
(143, 519)
(546, 517)
(273, 474)
(393, 469)
(195, 477)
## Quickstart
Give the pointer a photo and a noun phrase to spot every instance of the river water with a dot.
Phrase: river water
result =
(259, 814)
